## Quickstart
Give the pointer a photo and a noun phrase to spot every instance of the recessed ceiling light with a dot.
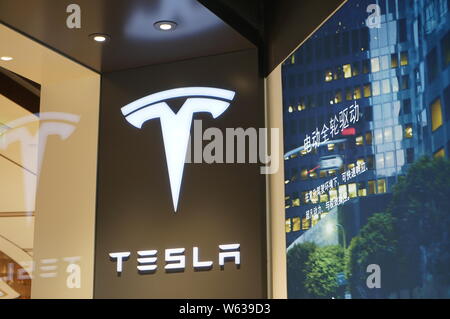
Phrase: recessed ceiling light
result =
(165, 25)
(6, 58)
(100, 37)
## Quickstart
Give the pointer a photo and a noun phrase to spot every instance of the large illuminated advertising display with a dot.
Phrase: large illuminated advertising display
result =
(366, 108)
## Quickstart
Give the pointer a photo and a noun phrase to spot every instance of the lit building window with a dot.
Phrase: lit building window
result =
(436, 115)
(324, 198)
(408, 131)
(305, 200)
(305, 223)
(357, 93)
(304, 174)
(314, 198)
(343, 191)
(296, 224)
(378, 136)
(369, 138)
(328, 76)
(389, 159)
(333, 194)
(379, 158)
(381, 186)
(404, 58)
(323, 174)
(388, 135)
(288, 225)
(296, 202)
(331, 172)
(352, 190)
(375, 63)
(440, 153)
(286, 202)
(362, 191)
(371, 186)
(347, 71)
(330, 147)
(360, 161)
(367, 90)
(293, 59)
(394, 60)
(359, 141)
(301, 107)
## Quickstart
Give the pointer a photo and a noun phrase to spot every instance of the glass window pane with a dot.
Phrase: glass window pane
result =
(347, 71)
(352, 190)
(288, 225)
(394, 60)
(343, 191)
(378, 136)
(387, 108)
(371, 186)
(367, 90)
(381, 186)
(436, 115)
(305, 223)
(384, 62)
(379, 158)
(377, 112)
(408, 131)
(376, 88)
(386, 86)
(398, 132)
(404, 58)
(296, 224)
(400, 158)
(395, 87)
(375, 63)
(357, 93)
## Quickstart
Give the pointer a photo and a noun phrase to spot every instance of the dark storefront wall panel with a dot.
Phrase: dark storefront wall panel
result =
(219, 203)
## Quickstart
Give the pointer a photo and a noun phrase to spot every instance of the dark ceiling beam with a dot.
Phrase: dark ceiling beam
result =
(246, 17)
(21, 91)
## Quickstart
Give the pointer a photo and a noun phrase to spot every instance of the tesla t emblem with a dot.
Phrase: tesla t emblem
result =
(176, 127)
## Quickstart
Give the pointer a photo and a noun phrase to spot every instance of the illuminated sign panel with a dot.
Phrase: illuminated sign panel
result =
(214, 246)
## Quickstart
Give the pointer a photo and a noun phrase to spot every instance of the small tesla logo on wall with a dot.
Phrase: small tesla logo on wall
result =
(176, 127)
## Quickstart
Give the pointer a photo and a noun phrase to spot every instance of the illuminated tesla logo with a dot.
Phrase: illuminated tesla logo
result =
(176, 127)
